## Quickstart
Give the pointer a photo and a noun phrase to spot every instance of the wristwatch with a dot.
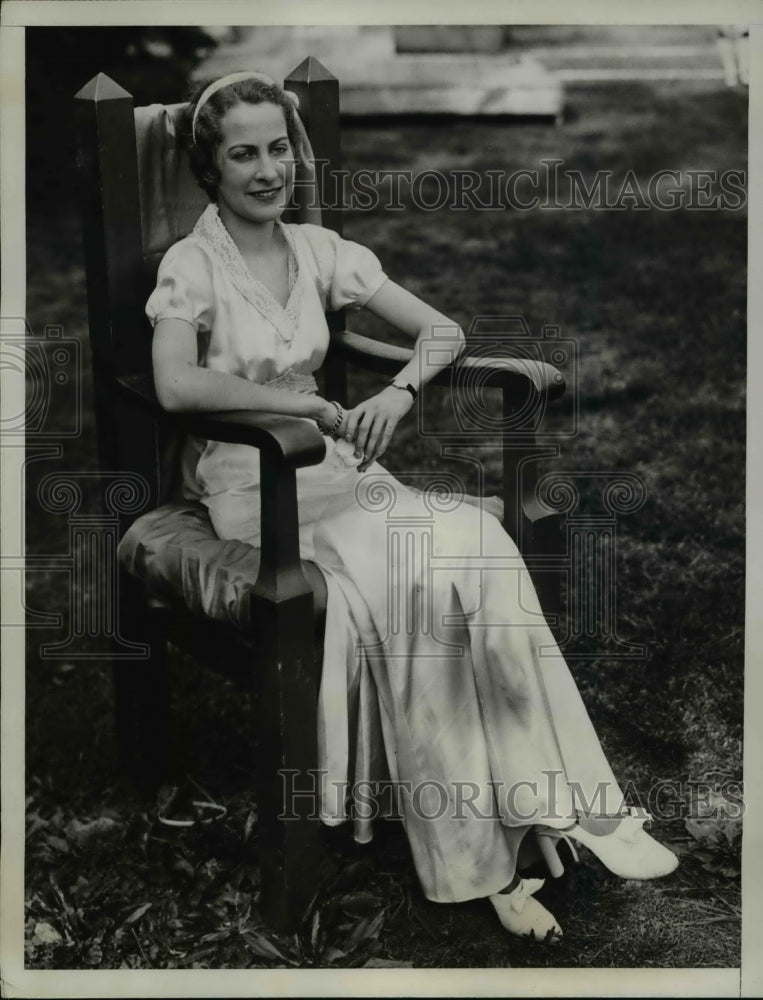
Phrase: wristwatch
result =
(405, 385)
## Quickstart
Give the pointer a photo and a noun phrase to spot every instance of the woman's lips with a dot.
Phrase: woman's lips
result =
(268, 195)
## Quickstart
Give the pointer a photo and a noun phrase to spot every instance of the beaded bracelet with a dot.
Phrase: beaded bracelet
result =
(337, 423)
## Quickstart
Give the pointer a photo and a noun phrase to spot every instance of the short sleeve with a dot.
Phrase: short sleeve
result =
(349, 272)
(183, 288)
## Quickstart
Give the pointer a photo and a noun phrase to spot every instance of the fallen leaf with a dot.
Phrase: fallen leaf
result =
(138, 913)
(83, 831)
(94, 955)
(181, 865)
(367, 929)
(386, 963)
(707, 832)
(680, 848)
(263, 947)
(60, 896)
(357, 872)
(45, 934)
(732, 830)
(215, 936)
(360, 904)
(34, 822)
(58, 842)
(334, 954)
(315, 929)
(728, 870)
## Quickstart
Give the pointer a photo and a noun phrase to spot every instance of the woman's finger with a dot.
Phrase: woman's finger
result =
(383, 441)
(344, 426)
(389, 430)
(377, 430)
(363, 432)
(353, 422)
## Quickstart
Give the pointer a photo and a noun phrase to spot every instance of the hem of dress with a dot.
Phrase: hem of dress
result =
(170, 314)
(360, 303)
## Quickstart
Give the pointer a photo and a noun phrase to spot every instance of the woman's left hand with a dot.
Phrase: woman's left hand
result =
(371, 424)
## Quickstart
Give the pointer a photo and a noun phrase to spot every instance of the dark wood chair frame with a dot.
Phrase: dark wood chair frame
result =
(132, 431)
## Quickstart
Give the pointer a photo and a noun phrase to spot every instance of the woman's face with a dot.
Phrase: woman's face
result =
(256, 163)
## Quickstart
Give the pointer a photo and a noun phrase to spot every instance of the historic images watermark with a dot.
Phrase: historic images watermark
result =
(550, 186)
(524, 802)
(51, 372)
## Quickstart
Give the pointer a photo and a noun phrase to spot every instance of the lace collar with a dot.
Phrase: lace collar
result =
(210, 230)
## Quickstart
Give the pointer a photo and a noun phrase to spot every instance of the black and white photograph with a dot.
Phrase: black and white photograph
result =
(376, 484)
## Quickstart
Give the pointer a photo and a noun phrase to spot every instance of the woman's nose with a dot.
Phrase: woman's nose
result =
(266, 168)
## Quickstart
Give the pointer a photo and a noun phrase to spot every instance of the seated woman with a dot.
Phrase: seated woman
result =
(467, 705)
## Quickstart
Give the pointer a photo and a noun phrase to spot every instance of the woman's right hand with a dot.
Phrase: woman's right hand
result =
(328, 417)
(350, 453)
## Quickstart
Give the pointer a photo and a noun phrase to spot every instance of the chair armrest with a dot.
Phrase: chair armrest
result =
(504, 373)
(295, 442)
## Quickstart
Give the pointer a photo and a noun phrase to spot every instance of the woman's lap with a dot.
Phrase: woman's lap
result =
(432, 604)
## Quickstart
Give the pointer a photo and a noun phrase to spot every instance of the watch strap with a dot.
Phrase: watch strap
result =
(405, 385)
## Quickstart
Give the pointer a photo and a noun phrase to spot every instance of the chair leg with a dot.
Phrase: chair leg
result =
(286, 683)
(289, 843)
(538, 532)
(142, 692)
(545, 542)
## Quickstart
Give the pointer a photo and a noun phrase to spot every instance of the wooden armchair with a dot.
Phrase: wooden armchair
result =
(130, 217)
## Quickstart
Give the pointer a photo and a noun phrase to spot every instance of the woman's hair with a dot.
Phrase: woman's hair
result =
(202, 152)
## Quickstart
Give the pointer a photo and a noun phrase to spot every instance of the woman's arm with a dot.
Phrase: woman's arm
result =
(439, 341)
(184, 386)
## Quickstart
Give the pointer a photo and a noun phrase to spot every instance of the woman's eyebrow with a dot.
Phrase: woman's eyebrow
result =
(251, 145)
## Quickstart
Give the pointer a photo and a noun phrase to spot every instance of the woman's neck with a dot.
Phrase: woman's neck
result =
(253, 239)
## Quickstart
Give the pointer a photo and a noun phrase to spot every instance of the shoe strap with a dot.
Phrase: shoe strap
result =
(568, 840)
(549, 831)
(527, 887)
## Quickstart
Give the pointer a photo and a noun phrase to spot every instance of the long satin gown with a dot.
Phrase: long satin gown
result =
(440, 674)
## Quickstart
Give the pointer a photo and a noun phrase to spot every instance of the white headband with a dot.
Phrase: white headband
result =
(225, 81)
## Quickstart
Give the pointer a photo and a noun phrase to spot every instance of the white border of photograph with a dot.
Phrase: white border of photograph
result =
(18, 982)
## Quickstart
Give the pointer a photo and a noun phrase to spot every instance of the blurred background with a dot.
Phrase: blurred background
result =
(478, 69)
(655, 302)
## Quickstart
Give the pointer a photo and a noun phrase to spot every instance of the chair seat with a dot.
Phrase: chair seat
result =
(174, 552)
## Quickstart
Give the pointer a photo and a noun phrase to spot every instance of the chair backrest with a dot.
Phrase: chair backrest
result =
(170, 199)
(138, 198)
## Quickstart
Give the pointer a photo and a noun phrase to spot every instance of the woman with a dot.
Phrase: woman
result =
(467, 705)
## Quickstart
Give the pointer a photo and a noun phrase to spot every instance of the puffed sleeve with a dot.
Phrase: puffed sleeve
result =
(349, 273)
(183, 288)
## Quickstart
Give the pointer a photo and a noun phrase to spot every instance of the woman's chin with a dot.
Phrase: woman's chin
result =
(265, 214)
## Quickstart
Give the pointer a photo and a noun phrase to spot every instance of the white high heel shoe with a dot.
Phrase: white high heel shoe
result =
(524, 916)
(548, 842)
(628, 850)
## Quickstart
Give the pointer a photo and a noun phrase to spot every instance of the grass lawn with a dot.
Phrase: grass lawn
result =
(655, 301)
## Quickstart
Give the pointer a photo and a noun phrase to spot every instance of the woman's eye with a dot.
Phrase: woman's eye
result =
(281, 149)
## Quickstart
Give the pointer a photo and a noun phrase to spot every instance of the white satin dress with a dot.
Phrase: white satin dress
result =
(439, 671)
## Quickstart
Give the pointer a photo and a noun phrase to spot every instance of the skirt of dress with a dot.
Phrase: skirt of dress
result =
(443, 691)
